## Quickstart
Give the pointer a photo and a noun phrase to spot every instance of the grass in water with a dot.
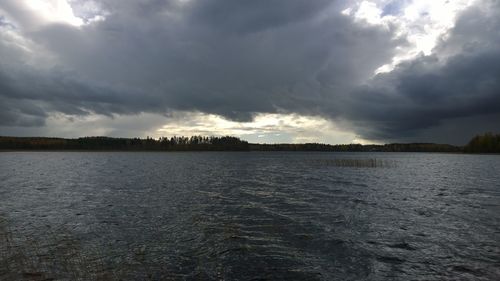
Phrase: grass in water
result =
(357, 163)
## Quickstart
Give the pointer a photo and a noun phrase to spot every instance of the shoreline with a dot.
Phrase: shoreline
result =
(481, 144)
(237, 151)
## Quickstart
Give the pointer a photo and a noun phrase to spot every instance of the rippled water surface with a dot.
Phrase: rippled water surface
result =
(249, 216)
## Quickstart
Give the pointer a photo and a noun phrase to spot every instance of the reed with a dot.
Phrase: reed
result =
(357, 162)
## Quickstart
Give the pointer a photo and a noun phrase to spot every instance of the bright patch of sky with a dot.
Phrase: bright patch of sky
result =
(72, 12)
(54, 11)
(265, 128)
(89, 11)
(421, 22)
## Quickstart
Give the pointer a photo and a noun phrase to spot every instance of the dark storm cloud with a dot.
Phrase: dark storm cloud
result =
(422, 93)
(232, 58)
(461, 81)
(20, 113)
(238, 58)
(254, 16)
(16, 111)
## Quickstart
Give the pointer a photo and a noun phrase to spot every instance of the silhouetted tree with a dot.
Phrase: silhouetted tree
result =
(486, 143)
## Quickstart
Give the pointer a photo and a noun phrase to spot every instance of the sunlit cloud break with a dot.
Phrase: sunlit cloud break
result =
(273, 128)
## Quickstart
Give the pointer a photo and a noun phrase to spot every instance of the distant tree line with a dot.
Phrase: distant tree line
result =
(394, 147)
(486, 143)
(132, 144)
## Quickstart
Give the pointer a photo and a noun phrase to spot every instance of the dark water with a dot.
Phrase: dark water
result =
(249, 216)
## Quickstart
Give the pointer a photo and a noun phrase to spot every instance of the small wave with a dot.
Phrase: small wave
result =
(356, 163)
(390, 259)
(403, 246)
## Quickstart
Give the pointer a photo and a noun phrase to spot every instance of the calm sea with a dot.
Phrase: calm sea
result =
(249, 216)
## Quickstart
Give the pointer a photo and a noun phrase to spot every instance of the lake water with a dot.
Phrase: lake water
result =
(249, 216)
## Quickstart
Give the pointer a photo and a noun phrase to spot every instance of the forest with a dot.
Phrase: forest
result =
(485, 143)
(126, 144)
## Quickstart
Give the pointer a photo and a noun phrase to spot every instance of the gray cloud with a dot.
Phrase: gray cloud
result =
(460, 81)
(239, 58)
(156, 56)
(243, 17)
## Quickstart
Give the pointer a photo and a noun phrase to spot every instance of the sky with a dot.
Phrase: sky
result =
(266, 71)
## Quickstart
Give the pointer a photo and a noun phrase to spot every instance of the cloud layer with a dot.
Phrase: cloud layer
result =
(460, 80)
(242, 59)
